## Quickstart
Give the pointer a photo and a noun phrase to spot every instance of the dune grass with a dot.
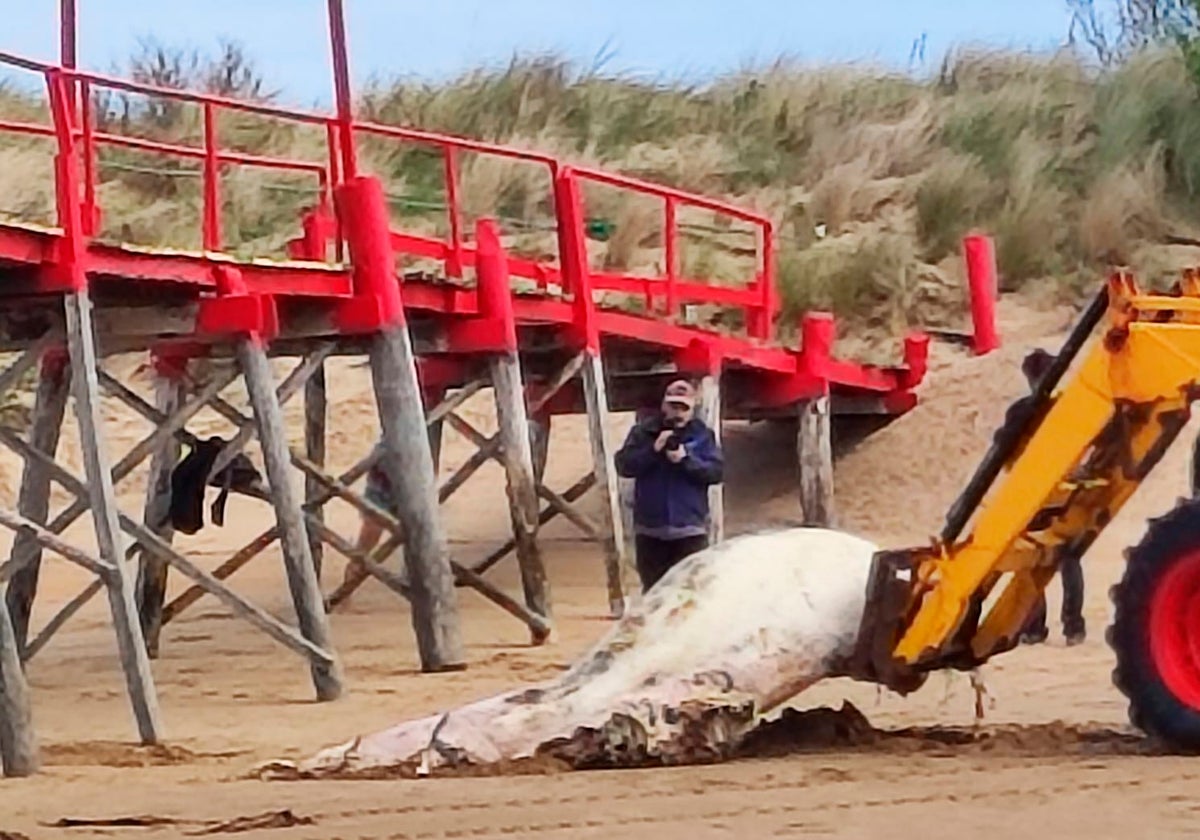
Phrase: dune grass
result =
(1069, 168)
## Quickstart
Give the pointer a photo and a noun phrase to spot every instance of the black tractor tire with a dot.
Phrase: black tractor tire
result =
(1154, 669)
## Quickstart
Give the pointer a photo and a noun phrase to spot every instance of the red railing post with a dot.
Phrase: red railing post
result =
(762, 327)
(572, 249)
(454, 262)
(212, 182)
(492, 281)
(671, 245)
(72, 253)
(376, 302)
(335, 179)
(91, 210)
(982, 287)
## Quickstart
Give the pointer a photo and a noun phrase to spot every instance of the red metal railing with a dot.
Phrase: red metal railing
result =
(757, 297)
(84, 140)
(454, 253)
(79, 140)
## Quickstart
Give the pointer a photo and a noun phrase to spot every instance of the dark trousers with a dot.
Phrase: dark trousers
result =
(1071, 572)
(655, 556)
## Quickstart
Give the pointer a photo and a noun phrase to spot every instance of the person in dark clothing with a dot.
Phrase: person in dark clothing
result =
(673, 458)
(1034, 367)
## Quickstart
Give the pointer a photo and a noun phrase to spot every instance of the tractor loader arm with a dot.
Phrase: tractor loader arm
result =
(1096, 425)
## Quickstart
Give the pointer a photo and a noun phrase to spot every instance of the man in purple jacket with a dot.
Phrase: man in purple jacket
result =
(673, 458)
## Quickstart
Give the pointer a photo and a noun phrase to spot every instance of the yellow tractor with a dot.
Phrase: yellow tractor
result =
(1059, 470)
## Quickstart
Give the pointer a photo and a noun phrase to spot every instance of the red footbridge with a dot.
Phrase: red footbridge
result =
(644, 323)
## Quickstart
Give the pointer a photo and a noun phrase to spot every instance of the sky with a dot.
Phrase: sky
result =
(434, 39)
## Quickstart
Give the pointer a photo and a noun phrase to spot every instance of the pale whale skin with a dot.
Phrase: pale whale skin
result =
(724, 638)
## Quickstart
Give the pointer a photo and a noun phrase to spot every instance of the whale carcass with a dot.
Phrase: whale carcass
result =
(724, 638)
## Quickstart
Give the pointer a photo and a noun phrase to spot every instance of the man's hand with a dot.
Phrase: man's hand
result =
(676, 455)
(662, 439)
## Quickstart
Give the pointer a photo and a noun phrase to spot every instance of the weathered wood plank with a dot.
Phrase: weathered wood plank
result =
(520, 484)
(18, 743)
(293, 536)
(132, 646)
(169, 397)
(709, 412)
(33, 502)
(815, 455)
(612, 536)
(409, 466)
(315, 416)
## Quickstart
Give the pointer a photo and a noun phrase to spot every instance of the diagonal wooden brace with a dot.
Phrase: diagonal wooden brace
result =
(263, 540)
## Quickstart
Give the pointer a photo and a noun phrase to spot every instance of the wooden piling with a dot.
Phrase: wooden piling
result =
(520, 481)
(814, 451)
(33, 502)
(18, 744)
(612, 535)
(409, 464)
(293, 536)
(709, 411)
(130, 643)
(169, 396)
(315, 414)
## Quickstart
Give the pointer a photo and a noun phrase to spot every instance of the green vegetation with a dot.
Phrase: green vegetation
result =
(1071, 168)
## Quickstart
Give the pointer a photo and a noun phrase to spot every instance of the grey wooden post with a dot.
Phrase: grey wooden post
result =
(710, 414)
(293, 536)
(315, 414)
(98, 468)
(814, 452)
(520, 481)
(18, 744)
(612, 538)
(409, 464)
(34, 501)
(169, 396)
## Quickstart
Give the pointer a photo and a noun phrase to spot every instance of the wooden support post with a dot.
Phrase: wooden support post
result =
(520, 481)
(315, 413)
(34, 501)
(409, 465)
(18, 745)
(293, 536)
(539, 444)
(130, 643)
(612, 531)
(169, 396)
(815, 455)
(710, 414)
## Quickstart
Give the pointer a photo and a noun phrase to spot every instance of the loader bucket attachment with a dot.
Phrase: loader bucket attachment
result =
(892, 596)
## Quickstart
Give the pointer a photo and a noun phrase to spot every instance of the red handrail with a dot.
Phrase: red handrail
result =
(341, 132)
(758, 297)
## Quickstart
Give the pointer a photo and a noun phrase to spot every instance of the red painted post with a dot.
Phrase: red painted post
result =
(72, 255)
(212, 183)
(341, 86)
(983, 289)
(363, 211)
(454, 263)
(335, 178)
(492, 281)
(572, 249)
(91, 210)
(671, 244)
(762, 323)
(818, 330)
